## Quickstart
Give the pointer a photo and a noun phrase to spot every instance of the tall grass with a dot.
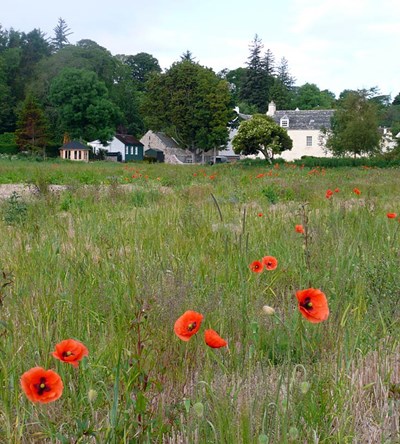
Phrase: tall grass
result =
(115, 266)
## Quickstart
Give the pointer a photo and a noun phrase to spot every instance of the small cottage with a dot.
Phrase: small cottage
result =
(123, 147)
(74, 150)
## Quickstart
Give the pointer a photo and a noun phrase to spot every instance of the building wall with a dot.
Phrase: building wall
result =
(300, 146)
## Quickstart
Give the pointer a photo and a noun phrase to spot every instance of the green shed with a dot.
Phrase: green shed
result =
(155, 153)
(132, 148)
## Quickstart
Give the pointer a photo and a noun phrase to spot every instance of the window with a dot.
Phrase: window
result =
(126, 150)
(309, 141)
(136, 150)
(285, 122)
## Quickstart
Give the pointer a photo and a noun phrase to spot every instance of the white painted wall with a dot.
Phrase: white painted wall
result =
(113, 146)
(300, 147)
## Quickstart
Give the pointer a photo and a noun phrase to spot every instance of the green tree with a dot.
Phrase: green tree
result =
(83, 106)
(190, 103)
(61, 34)
(126, 94)
(141, 66)
(235, 78)
(354, 125)
(7, 117)
(32, 127)
(254, 86)
(261, 134)
(282, 90)
(309, 96)
(86, 54)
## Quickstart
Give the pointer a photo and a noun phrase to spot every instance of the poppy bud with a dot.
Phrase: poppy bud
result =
(92, 395)
(199, 409)
(270, 311)
(304, 387)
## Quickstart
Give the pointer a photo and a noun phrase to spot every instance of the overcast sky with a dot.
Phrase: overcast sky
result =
(336, 44)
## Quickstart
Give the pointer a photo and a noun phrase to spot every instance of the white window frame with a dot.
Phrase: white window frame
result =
(285, 122)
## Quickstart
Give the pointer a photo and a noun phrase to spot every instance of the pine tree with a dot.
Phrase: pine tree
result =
(282, 90)
(62, 32)
(32, 126)
(254, 90)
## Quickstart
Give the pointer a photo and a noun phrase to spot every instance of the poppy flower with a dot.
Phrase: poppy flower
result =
(329, 194)
(337, 190)
(270, 263)
(188, 325)
(391, 215)
(357, 191)
(313, 305)
(70, 351)
(213, 339)
(259, 176)
(299, 229)
(256, 266)
(260, 215)
(41, 385)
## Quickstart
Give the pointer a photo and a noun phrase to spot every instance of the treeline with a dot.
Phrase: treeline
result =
(51, 89)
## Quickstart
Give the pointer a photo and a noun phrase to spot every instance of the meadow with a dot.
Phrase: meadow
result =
(123, 250)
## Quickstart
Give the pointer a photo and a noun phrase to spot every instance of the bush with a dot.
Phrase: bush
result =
(339, 162)
(15, 210)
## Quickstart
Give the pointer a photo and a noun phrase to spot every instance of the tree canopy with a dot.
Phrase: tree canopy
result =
(190, 103)
(82, 104)
(354, 125)
(261, 134)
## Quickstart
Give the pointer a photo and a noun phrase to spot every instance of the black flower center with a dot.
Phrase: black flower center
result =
(67, 353)
(42, 387)
(191, 326)
(307, 304)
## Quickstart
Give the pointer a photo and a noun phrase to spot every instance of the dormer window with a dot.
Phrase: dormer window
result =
(285, 122)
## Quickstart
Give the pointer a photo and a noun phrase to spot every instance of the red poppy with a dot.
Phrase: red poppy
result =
(270, 263)
(299, 229)
(337, 190)
(313, 305)
(70, 351)
(213, 339)
(391, 215)
(256, 266)
(41, 385)
(357, 191)
(259, 176)
(188, 325)
(329, 194)
(260, 215)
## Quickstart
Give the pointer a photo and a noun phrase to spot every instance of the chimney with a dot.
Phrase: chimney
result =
(271, 109)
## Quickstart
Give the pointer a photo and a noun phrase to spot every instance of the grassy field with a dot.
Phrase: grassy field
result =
(115, 266)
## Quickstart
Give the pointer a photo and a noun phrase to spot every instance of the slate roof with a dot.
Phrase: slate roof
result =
(315, 119)
(169, 142)
(172, 146)
(127, 139)
(306, 119)
(74, 145)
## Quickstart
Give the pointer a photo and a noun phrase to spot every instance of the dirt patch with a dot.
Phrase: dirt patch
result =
(6, 190)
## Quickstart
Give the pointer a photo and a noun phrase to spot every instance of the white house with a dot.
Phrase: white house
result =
(122, 147)
(304, 127)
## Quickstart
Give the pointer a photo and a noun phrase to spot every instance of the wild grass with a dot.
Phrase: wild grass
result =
(114, 266)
